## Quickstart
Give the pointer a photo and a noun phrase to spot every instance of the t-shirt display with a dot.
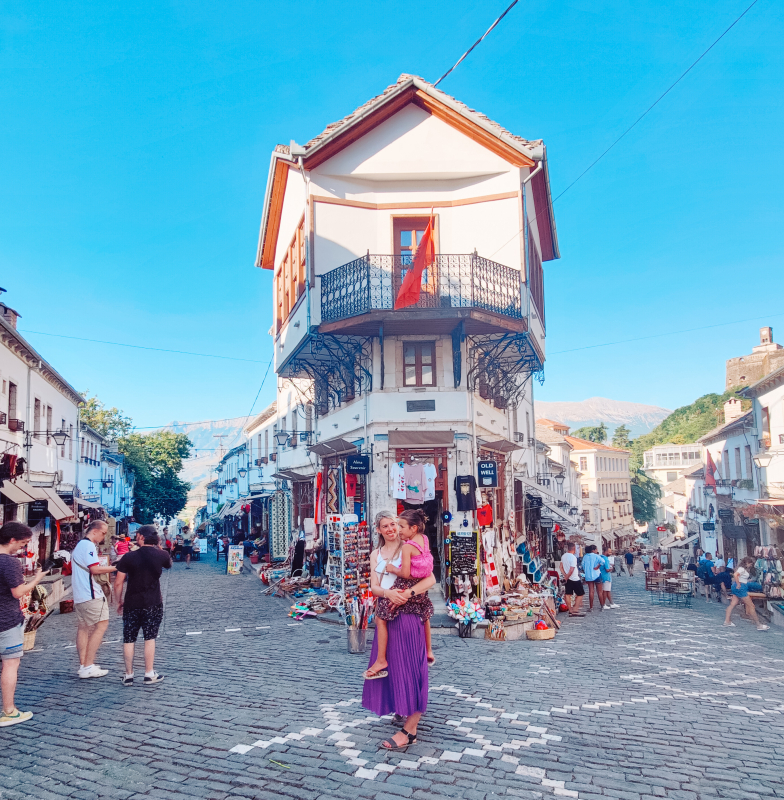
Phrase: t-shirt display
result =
(465, 487)
(431, 473)
(484, 515)
(11, 576)
(143, 568)
(397, 481)
(415, 483)
(83, 584)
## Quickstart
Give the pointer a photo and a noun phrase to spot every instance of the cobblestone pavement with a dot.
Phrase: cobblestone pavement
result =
(635, 703)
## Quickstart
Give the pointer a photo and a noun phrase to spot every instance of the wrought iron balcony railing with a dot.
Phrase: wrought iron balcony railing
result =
(372, 282)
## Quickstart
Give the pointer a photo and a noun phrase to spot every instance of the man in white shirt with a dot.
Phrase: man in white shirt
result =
(574, 586)
(90, 603)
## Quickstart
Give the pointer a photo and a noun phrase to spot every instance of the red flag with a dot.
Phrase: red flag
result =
(710, 470)
(425, 255)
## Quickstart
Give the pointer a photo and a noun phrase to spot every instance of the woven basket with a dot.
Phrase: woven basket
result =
(29, 640)
(537, 635)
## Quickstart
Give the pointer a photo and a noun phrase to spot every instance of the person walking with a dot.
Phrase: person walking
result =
(142, 607)
(90, 603)
(592, 570)
(706, 575)
(13, 537)
(646, 561)
(187, 546)
(605, 576)
(574, 591)
(629, 559)
(740, 594)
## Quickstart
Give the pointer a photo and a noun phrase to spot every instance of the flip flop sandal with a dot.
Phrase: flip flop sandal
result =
(390, 745)
(431, 660)
(382, 673)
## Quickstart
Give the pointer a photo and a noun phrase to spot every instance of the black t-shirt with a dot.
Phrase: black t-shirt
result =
(465, 486)
(143, 568)
(11, 576)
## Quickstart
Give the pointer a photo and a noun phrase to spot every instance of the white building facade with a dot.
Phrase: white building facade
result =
(445, 383)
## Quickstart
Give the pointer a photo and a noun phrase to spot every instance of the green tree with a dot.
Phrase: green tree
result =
(155, 459)
(645, 494)
(109, 422)
(621, 438)
(596, 434)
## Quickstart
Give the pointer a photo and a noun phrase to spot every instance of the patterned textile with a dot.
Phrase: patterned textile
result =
(146, 619)
(333, 476)
(280, 528)
(491, 576)
(420, 606)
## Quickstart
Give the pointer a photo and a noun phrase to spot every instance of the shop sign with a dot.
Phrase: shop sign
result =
(235, 560)
(534, 501)
(751, 523)
(709, 526)
(725, 513)
(488, 474)
(661, 528)
(357, 465)
(39, 508)
(546, 523)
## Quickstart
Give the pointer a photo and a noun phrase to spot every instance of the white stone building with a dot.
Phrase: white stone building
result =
(446, 382)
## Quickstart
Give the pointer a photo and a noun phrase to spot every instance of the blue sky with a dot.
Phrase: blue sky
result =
(135, 141)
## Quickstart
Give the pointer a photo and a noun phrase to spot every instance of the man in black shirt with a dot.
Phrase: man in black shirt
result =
(142, 607)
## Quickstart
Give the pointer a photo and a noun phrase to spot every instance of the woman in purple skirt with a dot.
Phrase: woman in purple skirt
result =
(403, 691)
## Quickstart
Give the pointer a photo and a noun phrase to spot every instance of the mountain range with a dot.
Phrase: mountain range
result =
(637, 417)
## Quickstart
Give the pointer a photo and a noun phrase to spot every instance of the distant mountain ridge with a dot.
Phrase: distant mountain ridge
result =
(639, 418)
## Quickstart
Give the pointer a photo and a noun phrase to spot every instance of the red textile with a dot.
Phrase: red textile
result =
(710, 471)
(424, 256)
(484, 515)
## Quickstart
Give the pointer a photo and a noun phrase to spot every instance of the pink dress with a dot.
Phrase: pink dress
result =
(422, 564)
(421, 605)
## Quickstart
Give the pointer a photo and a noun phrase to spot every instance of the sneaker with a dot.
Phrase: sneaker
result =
(83, 669)
(614, 605)
(13, 717)
(607, 607)
(729, 624)
(154, 679)
(763, 627)
(93, 671)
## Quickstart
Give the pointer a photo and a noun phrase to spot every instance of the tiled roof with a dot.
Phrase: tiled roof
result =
(552, 424)
(745, 419)
(584, 444)
(268, 412)
(333, 127)
(676, 487)
(549, 436)
(697, 471)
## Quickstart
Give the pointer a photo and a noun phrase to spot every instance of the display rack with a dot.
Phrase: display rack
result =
(348, 563)
(463, 562)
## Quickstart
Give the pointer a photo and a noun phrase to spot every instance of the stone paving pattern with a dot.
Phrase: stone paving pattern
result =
(637, 703)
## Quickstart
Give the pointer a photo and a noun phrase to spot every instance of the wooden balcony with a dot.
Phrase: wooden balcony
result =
(358, 297)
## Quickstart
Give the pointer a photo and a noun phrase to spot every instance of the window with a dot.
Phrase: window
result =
(585, 492)
(48, 422)
(419, 364)
(528, 429)
(536, 277)
(738, 464)
(82, 448)
(671, 476)
(726, 464)
(749, 463)
(12, 401)
(266, 443)
(290, 276)
(766, 426)
(62, 449)
(583, 464)
(70, 442)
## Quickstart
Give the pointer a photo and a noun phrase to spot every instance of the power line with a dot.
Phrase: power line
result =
(183, 424)
(478, 41)
(638, 120)
(669, 333)
(142, 347)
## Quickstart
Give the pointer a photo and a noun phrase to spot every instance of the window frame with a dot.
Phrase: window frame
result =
(418, 364)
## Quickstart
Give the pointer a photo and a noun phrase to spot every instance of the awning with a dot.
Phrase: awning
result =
(292, 475)
(57, 508)
(201, 527)
(333, 447)
(671, 541)
(421, 439)
(17, 494)
(501, 446)
(88, 503)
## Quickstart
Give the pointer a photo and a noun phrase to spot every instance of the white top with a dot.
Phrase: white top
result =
(387, 579)
(743, 575)
(84, 556)
(569, 561)
(718, 562)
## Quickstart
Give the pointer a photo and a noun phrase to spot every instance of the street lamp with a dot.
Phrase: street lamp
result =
(60, 437)
(242, 472)
(281, 437)
(762, 460)
(559, 479)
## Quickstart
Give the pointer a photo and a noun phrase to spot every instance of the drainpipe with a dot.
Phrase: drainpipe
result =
(537, 155)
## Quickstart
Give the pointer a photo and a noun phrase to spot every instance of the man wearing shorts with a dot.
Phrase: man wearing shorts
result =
(142, 608)
(90, 603)
(13, 537)
(574, 586)
(629, 559)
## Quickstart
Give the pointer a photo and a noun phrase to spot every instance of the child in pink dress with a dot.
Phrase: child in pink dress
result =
(417, 563)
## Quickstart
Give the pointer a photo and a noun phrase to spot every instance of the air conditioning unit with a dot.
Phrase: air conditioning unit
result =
(59, 476)
(3, 417)
(261, 461)
(519, 437)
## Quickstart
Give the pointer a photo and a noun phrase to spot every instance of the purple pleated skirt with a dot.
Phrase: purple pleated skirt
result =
(404, 690)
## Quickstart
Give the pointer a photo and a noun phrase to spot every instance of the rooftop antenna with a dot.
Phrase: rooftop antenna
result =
(220, 436)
